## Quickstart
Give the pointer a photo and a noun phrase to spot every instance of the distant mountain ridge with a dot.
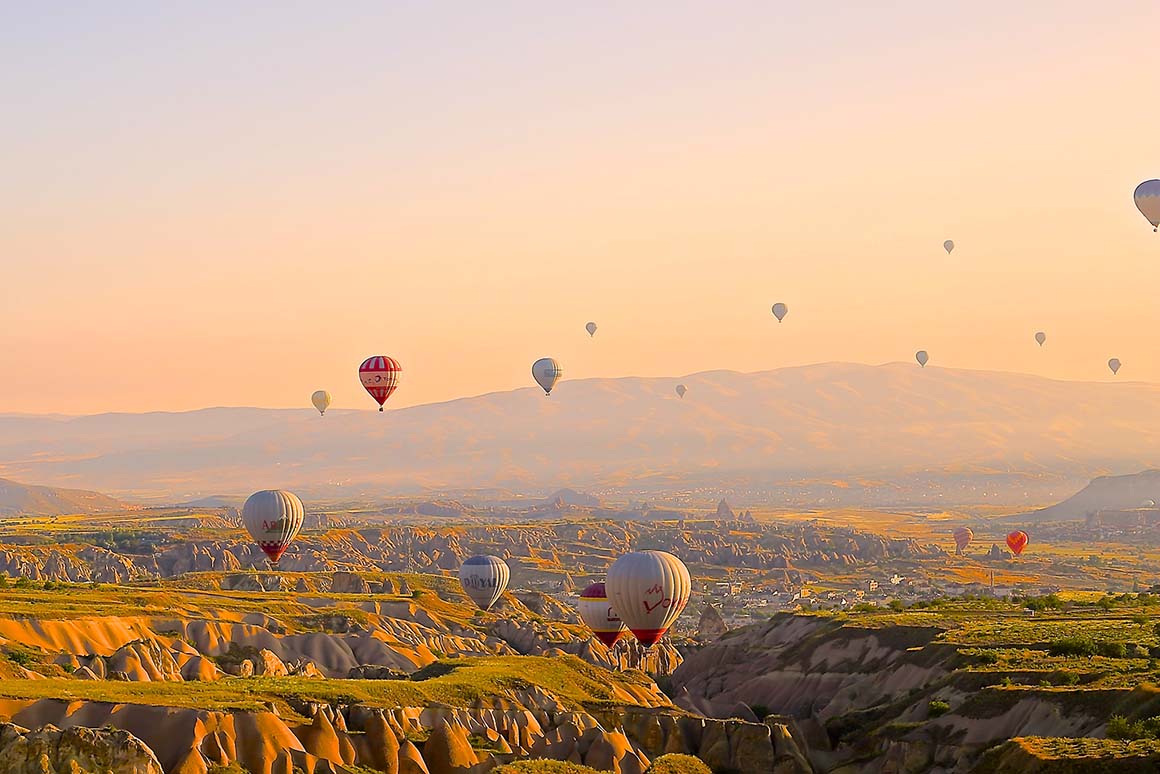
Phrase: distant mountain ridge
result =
(24, 499)
(1130, 492)
(852, 427)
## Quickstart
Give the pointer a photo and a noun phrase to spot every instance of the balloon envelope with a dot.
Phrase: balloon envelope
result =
(1147, 199)
(484, 579)
(598, 615)
(1114, 364)
(591, 328)
(681, 390)
(546, 371)
(921, 357)
(1017, 541)
(949, 246)
(963, 538)
(779, 311)
(321, 400)
(648, 590)
(273, 517)
(379, 375)
(1040, 337)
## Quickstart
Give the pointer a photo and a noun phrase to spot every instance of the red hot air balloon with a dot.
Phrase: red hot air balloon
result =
(597, 614)
(963, 538)
(1017, 541)
(380, 376)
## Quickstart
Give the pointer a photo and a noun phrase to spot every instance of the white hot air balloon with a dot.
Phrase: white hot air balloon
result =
(273, 518)
(484, 579)
(1114, 364)
(648, 590)
(321, 401)
(921, 357)
(591, 328)
(681, 390)
(780, 310)
(1147, 199)
(546, 371)
(1040, 337)
(949, 246)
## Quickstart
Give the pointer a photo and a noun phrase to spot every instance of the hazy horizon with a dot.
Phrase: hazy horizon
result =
(892, 433)
(235, 207)
(535, 390)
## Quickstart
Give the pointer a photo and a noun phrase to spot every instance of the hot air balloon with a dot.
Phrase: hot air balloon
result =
(546, 371)
(963, 538)
(591, 328)
(681, 390)
(1114, 364)
(1040, 337)
(484, 579)
(598, 615)
(380, 376)
(1147, 198)
(921, 357)
(949, 246)
(779, 311)
(1017, 541)
(273, 517)
(648, 590)
(321, 401)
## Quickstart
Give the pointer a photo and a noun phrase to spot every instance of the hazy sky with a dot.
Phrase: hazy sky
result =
(210, 206)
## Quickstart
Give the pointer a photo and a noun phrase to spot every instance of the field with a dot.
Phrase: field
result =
(1068, 630)
(453, 682)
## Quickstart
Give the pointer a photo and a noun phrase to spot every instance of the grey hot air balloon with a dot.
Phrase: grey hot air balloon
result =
(648, 590)
(484, 579)
(681, 390)
(921, 357)
(1114, 364)
(1147, 199)
(591, 328)
(321, 401)
(273, 517)
(779, 311)
(1040, 337)
(949, 246)
(546, 371)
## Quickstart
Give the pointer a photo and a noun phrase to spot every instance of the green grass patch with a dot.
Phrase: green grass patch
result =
(576, 684)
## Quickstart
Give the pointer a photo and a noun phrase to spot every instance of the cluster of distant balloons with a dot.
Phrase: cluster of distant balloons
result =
(645, 591)
(1147, 199)
(379, 374)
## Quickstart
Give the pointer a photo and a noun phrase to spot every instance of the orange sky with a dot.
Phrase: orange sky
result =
(205, 207)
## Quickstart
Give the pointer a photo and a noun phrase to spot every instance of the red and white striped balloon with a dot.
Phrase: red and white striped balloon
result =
(379, 375)
(597, 614)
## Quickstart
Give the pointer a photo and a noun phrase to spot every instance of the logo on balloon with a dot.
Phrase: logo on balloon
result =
(663, 603)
